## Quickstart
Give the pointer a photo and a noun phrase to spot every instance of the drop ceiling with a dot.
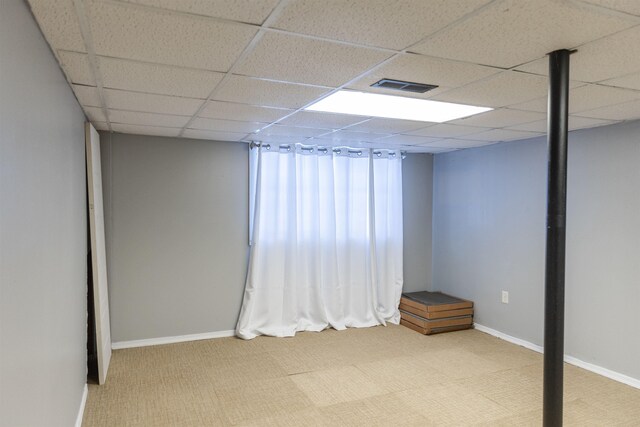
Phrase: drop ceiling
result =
(244, 70)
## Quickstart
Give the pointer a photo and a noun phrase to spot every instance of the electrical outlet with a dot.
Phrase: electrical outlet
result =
(505, 297)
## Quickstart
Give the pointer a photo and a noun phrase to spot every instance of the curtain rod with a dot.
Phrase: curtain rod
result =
(324, 150)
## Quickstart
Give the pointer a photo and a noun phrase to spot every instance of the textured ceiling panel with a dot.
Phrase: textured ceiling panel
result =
(632, 81)
(613, 56)
(502, 135)
(394, 24)
(445, 130)
(500, 118)
(95, 114)
(313, 119)
(512, 32)
(503, 89)
(303, 60)
(59, 23)
(354, 136)
(424, 69)
(626, 111)
(379, 125)
(76, 66)
(410, 139)
(87, 95)
(458, 143)
(246, 90)
(631, 7)
(154, 78)
(213, 135)
(279, 130)
(145, 130)
(575, 122)
(161, 104)
(147, 119)
(147, 35)
(100, 125)
(276, 139)
(243, 112)
(250, 11)
(585, 97)
(226, 125)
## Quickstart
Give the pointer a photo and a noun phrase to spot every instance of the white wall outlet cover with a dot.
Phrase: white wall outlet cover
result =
(505, 297)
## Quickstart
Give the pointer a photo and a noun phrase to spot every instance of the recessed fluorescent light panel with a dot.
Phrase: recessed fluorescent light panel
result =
(393, 107)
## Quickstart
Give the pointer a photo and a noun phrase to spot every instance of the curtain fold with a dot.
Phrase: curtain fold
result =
(326, 241)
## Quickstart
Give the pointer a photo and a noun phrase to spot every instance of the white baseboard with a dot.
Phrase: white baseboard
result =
(83, 402)
(616, 376)
(171, 340)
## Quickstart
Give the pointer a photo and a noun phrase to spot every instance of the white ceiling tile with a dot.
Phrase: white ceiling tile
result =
(340, 142)
(631, 81)
(589, 97)
(265, 93)
(146, 119)
(433, 150)
(145, 130)
(87, 95)
(539, 105)
(162, 104)
(393, 24)
(458, 143)
(409, 139)
(94, 114)
(631, 7)
(320, 120)
(626, 111)
(585, 97)
(213, 135)
(250, 11)
(424, 69)
(100, 125)
(380, 125)
(279, 130)
(500, 118)
(445, 130)
(276, 139)
(148, 35)
(243, 112)
(575, 122)
(613, 56)
(512, 32)
(76, 67)
(59, 23)
(156, 78)
(354, 136)
(502, 135)
(226, 125)
(502, 89)
(304, 60)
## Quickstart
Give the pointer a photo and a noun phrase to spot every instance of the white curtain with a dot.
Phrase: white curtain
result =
(326, 242)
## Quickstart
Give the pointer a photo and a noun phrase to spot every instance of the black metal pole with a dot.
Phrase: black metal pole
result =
(557, 127)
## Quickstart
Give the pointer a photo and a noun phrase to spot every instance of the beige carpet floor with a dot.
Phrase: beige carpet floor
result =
(382, 376)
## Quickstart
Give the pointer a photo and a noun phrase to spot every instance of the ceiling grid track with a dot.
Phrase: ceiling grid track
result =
(381, 64)
(85, 29)
(203, 98)
(275, 13)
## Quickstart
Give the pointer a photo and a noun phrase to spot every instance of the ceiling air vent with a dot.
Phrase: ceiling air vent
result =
(405, 86)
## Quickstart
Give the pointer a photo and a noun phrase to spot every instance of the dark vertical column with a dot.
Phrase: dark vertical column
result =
(558, 108)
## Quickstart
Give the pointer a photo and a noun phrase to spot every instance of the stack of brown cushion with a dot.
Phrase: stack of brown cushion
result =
(434, 312)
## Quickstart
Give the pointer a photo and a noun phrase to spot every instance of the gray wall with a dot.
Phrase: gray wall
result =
(176, 214)
(176, 217)
(43, 231)
(417, 191)
(489, 235)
